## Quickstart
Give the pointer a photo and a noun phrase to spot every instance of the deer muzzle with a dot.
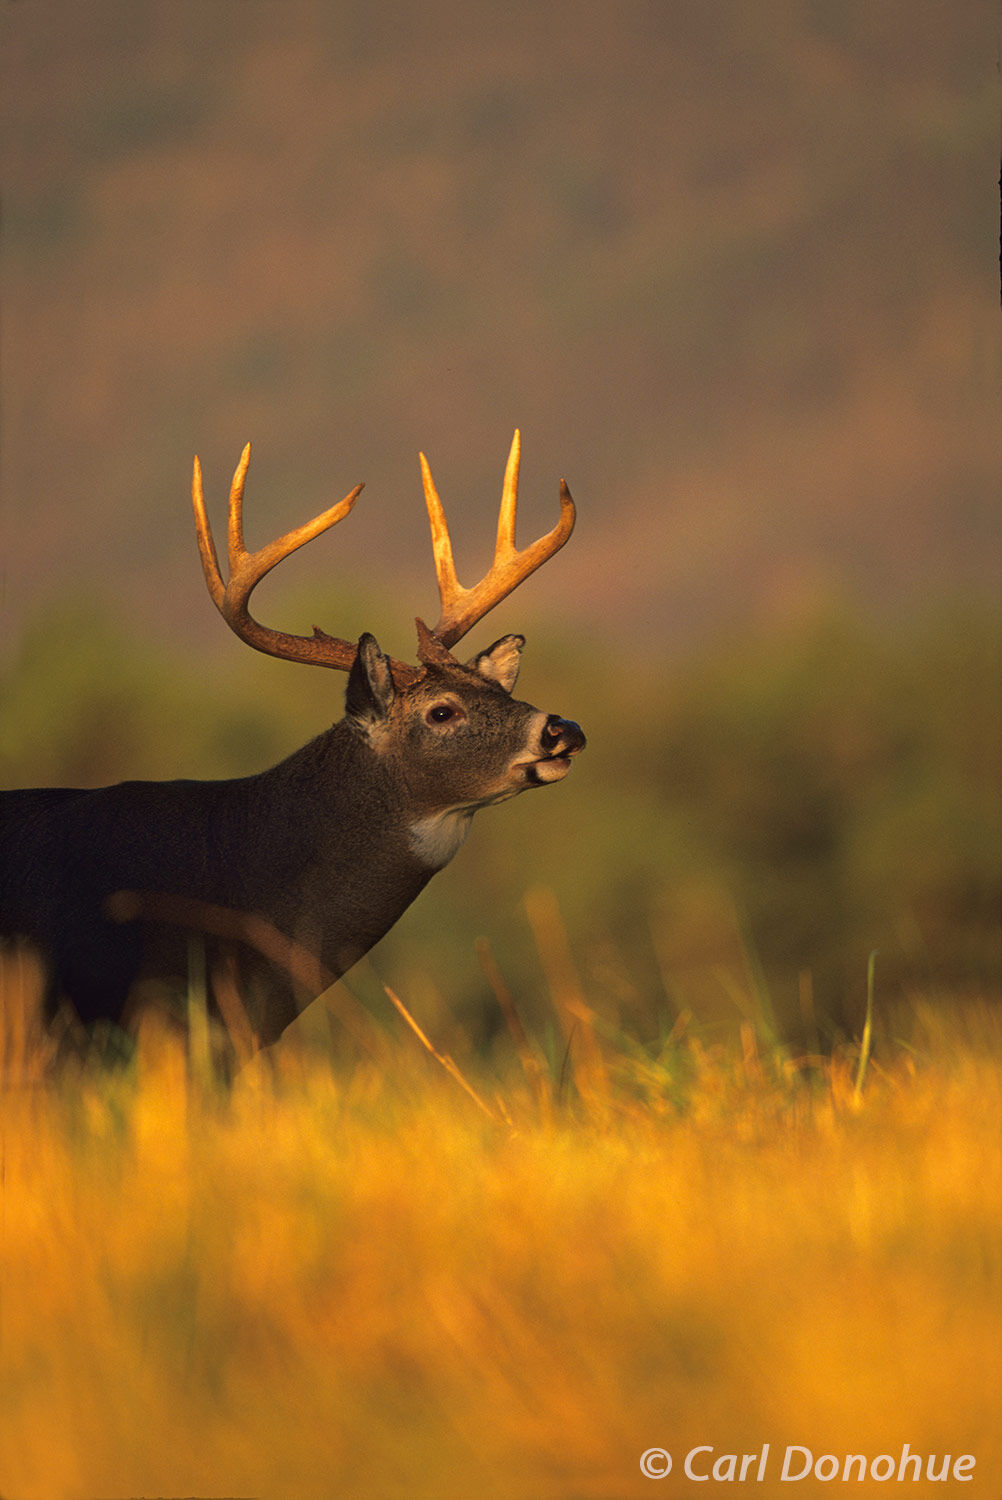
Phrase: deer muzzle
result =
(560, 739)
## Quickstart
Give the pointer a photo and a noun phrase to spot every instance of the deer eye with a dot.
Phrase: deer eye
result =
(441, 713)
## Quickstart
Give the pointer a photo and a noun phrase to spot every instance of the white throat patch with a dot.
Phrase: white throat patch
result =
(436, 838)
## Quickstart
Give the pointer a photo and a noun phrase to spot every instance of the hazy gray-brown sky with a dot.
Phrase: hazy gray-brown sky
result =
(732, 268)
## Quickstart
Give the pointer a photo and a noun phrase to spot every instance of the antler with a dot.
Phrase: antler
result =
(462, 607)
(248, 568)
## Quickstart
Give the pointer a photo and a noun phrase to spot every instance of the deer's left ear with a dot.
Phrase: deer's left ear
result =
(370, 684)
(500, 662)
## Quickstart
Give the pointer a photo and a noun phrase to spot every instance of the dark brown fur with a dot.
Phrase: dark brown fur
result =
(313, 857)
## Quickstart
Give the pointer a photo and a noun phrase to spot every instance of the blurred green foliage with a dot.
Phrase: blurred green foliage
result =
(747, 824)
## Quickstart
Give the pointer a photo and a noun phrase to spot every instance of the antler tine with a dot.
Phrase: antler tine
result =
(441, 542)
(235, 513)
(509, 499)
(462, 607)
(248, 568)
(206, 545)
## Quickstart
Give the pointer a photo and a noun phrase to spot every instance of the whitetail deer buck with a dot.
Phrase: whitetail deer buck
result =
(286, 878)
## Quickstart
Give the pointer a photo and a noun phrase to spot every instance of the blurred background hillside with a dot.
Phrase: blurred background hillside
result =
(732, 267)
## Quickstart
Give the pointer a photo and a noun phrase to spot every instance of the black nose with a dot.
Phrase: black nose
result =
(562, 735)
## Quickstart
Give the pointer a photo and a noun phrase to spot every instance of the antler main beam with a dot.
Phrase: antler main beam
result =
(246, 569)
(463, 607)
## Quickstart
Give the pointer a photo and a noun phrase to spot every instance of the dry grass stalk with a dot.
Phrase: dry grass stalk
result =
(576, 1017)
(442, 1058)
(26, 1049)
(536, 1075)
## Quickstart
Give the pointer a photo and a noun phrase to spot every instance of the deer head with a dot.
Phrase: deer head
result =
(448, 734)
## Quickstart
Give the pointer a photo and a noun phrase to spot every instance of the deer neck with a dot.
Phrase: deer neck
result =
(435, 837)
(342, 846)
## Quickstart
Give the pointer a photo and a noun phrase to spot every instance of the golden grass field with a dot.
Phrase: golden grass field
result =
(376, 1277)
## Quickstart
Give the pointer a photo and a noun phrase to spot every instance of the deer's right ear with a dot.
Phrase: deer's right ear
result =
(500, 662)
(370, 690)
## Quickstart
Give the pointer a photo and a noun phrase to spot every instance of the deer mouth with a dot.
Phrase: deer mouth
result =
(550, 768)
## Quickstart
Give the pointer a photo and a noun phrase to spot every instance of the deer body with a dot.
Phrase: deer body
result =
(287, 877)
(284, 845)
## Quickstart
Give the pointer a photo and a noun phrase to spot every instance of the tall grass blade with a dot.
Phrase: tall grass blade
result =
(442, 1058)
(199, 1044)
(575, 1015)
(864, 1051)
(536, 1076)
